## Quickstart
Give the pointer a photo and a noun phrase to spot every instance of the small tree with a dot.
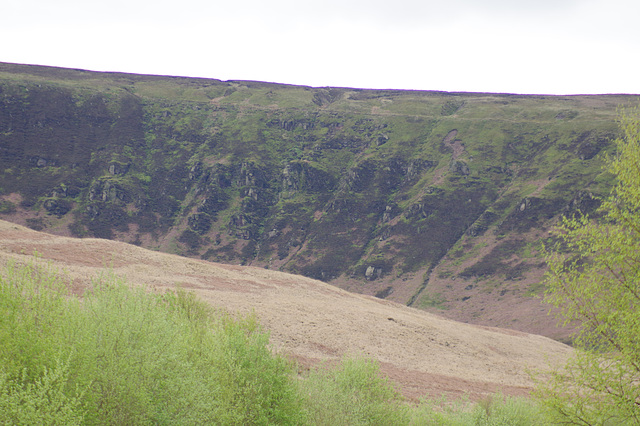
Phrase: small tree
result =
(594, 280)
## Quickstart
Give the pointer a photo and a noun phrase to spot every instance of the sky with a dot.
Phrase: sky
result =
(503, 46)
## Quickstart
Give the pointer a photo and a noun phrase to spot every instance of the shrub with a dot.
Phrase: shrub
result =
(43, 401)
(132, 357)
(354, 393)
(593, 280)
(494, 410)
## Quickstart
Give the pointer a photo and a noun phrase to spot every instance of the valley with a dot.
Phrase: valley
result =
(434, 200)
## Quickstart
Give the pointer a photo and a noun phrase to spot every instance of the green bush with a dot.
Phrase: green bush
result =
(132, 357)
(354, 393)
(593, 281)
(496, 410)
(42, 402)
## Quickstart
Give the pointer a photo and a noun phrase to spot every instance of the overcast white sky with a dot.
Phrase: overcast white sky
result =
(508, 46)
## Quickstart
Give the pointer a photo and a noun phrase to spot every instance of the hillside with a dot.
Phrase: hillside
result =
(430, 199)
(312, 321)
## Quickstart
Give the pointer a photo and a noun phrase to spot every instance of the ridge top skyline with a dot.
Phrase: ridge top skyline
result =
(544, 47)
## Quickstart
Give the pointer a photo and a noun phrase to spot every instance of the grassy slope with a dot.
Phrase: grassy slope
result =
(311, 321)
(126, 354)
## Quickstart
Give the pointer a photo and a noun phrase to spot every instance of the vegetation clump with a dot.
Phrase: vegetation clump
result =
(594, 280)
(121, 355)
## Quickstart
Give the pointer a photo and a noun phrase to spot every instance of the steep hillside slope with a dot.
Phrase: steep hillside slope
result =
(313, 321)
(436, 200)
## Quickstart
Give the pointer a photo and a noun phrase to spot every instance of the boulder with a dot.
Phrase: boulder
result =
(372, 273)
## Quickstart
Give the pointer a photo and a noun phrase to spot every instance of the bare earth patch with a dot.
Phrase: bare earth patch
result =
(311, 321)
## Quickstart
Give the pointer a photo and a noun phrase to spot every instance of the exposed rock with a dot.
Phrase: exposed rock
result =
(349, 180)
(108, 192)
(200, 223)
(251, 175)
(382, 139)
(388, 213)
(361, 176)
(40, 162)
(459, 167)
(59, 192)
(57, 207)
(532, 212)
(196, 171)
(414, 168)
(584, 202)
(372, 273)
(303, 176)
(245, 234)
(93, 211)
(292, 124)
(386, 233)
(239, 220)
(118, 168)
(416, 210)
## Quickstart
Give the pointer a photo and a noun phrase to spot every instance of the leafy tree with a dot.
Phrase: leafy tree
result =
(594, 280)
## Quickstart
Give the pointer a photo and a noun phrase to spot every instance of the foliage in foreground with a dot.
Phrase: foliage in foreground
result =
(495, 410)
(121, 355)
(595, 281)
(354, 393)
(124, 356)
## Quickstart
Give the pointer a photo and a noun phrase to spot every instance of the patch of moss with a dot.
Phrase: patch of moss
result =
(431, 300)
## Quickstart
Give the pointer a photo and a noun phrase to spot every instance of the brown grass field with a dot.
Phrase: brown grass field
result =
(310, 321)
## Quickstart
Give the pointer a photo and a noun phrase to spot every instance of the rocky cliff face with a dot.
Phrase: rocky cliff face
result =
(438, 200)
